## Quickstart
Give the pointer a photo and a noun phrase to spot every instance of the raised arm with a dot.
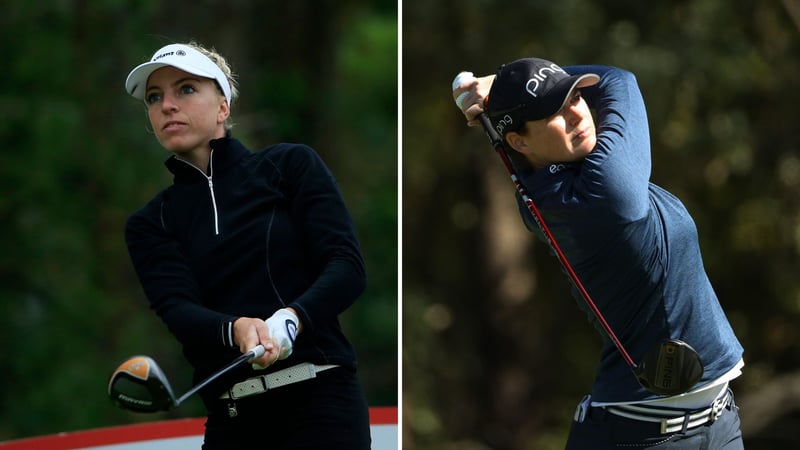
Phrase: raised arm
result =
(617, 171)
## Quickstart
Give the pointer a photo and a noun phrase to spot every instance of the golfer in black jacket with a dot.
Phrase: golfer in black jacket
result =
(248, 248)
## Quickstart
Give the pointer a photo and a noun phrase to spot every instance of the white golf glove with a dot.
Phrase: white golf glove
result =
(461, 78)
(283, 328)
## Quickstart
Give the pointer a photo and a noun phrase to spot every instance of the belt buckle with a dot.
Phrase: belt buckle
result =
(716, 409)
(582, 409)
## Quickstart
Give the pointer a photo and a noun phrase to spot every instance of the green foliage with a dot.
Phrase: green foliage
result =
(78, 159)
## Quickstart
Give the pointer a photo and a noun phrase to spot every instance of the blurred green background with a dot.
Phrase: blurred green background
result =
(77, 159)
(495, 353)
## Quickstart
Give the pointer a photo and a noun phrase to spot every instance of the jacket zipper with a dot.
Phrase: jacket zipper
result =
(214, 204)
(210, 187)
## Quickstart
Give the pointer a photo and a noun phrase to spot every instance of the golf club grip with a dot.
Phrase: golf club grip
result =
(494, 137)
(497, 142)
(257, 351)
(254, 352)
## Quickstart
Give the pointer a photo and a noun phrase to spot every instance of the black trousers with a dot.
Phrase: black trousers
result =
(329, 412)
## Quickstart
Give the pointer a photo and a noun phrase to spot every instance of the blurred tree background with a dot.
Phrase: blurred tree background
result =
(77, 159)
(495, 353)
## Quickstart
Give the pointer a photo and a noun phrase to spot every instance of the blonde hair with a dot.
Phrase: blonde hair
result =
(223, 65)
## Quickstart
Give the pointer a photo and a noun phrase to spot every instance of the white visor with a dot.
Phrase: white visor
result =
(181, 57)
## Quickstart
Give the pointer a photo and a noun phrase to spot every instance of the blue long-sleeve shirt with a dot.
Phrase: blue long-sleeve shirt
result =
(633, 245)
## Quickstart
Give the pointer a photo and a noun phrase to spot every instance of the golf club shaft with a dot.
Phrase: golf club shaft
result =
(255, 352)
(497, 142)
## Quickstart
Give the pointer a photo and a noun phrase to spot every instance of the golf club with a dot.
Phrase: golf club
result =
(672, 366)
(138, 384)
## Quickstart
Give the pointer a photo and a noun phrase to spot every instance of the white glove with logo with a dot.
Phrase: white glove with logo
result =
(283, 328)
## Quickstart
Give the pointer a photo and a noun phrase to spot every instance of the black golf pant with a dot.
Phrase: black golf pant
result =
(329, 412)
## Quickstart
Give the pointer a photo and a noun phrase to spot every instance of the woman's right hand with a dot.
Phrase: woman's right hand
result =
(249, 332)
(470, 94)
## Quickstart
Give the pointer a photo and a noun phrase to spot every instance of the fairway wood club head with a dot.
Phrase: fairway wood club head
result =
(138, 384)
(672, 367)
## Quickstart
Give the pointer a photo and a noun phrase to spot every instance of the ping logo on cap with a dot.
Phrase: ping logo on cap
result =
(503, 123)
(539, 77)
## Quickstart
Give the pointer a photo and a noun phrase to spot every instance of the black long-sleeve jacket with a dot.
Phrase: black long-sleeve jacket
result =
(258, 232)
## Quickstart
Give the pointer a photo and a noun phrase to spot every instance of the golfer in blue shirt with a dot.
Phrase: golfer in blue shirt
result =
(633, 246)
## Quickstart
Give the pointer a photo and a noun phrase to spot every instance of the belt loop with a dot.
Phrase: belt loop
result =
(263, 380)
(685, 425)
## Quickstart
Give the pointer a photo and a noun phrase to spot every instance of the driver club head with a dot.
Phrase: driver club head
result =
(672, 367)
(138, 384)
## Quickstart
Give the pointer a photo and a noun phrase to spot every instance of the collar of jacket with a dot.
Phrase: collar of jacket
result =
(225, 152)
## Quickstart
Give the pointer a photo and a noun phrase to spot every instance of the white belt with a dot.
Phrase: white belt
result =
(263, 383)
(673, 421)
